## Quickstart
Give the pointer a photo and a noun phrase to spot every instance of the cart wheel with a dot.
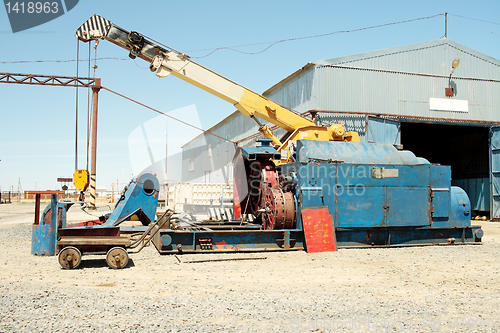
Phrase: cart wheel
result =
(70, 257)
(117, 258)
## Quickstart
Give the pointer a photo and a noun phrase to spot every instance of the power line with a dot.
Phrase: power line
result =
(315, 36)
(433, 22)
(71, 60)
(232, 48)
(272, 43)
(471, 26)
(470, 18)
(166, 115)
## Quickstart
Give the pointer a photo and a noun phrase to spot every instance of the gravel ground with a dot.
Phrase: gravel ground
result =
(418, 289)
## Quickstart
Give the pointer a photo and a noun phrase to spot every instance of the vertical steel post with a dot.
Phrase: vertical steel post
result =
(37, 208)
(445, 25)
(95, 91)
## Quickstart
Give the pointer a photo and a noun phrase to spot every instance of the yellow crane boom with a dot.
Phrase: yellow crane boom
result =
(165, 61)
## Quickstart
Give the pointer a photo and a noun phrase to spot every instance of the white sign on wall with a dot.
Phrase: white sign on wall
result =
(448, 104)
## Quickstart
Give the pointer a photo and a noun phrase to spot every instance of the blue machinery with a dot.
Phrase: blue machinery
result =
(375, 196)
(139, 198)
(360, 195)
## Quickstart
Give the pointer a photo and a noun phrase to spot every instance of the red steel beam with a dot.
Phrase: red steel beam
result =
(47, 80)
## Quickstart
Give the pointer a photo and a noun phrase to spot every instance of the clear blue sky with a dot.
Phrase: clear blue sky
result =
(38, 123)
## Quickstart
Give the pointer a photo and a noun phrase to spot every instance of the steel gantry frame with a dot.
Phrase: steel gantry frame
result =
(67, 81)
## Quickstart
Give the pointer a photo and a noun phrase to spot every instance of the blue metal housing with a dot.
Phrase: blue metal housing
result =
(140, 194)
(375, 194)
(44, 232)
(378, 195)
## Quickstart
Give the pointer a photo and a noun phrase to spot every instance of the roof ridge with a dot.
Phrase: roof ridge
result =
(402, 49)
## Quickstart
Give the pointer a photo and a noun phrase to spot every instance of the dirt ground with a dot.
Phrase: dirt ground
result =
(417, 289)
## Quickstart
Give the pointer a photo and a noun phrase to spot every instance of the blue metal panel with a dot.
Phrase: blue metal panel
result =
(408, 206)
(440, 176)
(441, 202)
(384, 131)
(312, 196)
(44, 232)
(398, 175)
(266, 150)
(175, 241)
(440, 185)
(460, 213)
(495, 172)
(406, 236)
(353, 153)
(362, 210)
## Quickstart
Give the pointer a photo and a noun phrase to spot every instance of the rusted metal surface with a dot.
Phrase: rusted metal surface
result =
(117, 258)
(280, 209)
(70, 257)
(89, 232)
(44, 234)
(227, 240)
(93, 240)
(206, 244)
(102, 239)
(318, 230)
(65, 180)
(37, 208)
(82, 238)
(87, 223)
(44, 194)
(95, 98)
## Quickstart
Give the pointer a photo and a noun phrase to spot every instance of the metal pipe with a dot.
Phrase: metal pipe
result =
(95, 91)
(37, 208)
(222, 259)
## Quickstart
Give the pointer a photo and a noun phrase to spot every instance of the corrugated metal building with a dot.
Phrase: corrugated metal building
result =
(396, 96)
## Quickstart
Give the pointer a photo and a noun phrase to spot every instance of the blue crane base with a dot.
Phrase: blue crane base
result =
(248, 238)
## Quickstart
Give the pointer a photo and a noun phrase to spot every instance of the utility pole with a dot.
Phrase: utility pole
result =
(446, 25)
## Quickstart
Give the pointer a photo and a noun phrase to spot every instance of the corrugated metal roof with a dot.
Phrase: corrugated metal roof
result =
(431, 57)
(399, 80)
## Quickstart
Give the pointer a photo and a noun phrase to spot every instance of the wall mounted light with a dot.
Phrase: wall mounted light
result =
(449, 91)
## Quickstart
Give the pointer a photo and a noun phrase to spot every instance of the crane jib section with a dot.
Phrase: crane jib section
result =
(165, 61)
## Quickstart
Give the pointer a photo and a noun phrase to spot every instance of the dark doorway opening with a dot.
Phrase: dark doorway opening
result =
(464, 148)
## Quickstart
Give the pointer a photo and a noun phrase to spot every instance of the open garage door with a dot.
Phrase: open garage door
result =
(465, 148)
(383, 131)
(495, 172)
